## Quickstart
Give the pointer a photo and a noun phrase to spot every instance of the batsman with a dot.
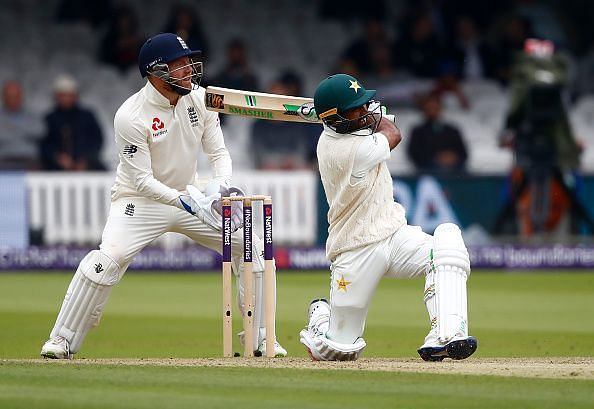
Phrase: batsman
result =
(369, 238)
(159, 132)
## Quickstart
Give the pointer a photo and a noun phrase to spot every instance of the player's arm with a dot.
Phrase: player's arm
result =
(213, 145)
(375, 148)
(135, 163)
(388, 128)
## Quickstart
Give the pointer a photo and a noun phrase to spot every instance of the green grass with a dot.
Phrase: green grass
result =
(178, 315)
(162, 315)
(51, 386)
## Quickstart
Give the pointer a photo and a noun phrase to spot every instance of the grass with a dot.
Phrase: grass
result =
(51, 386)
(178, 315)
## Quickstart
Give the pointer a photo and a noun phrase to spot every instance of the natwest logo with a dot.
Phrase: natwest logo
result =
(157, 124)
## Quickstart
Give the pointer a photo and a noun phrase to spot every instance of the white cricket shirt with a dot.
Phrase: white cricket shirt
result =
(362, 209)
(158, 145)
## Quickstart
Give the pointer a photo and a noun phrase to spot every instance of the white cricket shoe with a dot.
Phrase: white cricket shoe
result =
(279, 351)
(56, 348)
(319, 317)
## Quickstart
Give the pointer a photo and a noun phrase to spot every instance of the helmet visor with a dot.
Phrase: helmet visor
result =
(368, 121)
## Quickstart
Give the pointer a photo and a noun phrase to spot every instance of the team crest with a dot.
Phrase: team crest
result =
(355, 85)
(342, 284)
(193, 116)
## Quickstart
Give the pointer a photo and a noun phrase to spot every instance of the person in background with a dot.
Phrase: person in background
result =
(73, 138)
(121, 43)
(435, 145)
(237, 73)
(19, 130)
(370, 53)
(184, 22)
(285, 145)
(509, 44)
(419, 48)
(473, 57)
(448, 85)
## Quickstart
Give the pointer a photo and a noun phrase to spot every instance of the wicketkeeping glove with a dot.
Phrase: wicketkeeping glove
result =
(236, 207)
(208, 208)
(201, 206)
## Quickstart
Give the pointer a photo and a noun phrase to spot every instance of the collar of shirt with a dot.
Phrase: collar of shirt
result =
(155, 97)
(334, 134)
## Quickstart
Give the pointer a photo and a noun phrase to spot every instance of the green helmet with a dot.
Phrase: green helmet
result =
(339, 93)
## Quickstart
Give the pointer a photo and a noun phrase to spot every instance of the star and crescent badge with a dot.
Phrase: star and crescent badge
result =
(355, 85)
(342, 284)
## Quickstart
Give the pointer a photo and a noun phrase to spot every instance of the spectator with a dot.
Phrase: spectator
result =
(19, 130)
(448, 86)
(184, 22)
(73, 140)
(472, 57)
(237, 73)
(350, 11)
(121, 44)
(419, 49)
(370, 53)
(436, 146)
(509, 44)
(93, 12)
(285, 145)
(582, 83)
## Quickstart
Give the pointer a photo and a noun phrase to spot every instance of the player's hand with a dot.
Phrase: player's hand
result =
(236, 207)
(201, 206)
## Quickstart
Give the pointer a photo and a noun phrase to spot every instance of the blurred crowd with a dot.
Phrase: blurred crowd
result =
(448, 42)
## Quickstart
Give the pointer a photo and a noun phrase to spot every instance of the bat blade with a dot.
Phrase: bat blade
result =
(259, 105)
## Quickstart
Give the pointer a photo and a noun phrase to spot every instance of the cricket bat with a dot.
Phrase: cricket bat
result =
(259, 105)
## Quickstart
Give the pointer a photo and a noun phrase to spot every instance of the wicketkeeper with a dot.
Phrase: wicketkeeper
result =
(369, 237)
(159, 132)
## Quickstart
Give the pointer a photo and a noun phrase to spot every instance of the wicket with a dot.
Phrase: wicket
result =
(269, 276)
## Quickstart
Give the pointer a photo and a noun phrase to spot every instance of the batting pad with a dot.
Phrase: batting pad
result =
(450, 269)
(86, 297)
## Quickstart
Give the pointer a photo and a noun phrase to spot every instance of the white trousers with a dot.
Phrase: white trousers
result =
(134, 222)
(355, 275)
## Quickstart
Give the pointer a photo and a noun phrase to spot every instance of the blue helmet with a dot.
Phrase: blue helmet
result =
(162, 49)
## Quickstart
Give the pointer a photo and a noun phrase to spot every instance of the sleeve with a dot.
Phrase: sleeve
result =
(135, 163)
(213, 145)
(373, 150)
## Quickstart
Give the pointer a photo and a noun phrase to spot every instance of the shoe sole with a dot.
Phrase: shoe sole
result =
(51, 355)
(455, 350)
(259, 354)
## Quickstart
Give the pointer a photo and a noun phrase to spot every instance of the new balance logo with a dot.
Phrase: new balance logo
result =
(130, 150)
(129, 209)
(98, 268)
